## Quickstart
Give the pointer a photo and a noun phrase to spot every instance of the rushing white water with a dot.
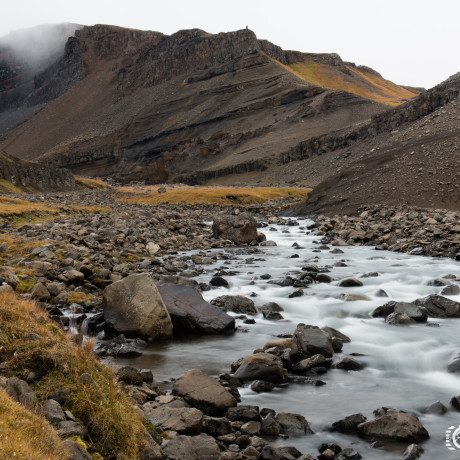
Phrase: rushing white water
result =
(405, 366)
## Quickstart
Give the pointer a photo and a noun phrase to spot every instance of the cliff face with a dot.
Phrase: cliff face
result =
(36, 177)
(193, 106)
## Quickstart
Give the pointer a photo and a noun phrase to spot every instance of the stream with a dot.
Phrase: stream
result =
(405, 366)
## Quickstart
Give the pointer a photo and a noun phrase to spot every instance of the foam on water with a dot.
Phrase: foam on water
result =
(405, 366)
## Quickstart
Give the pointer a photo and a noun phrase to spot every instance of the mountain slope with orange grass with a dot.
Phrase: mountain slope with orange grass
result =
(140, 105)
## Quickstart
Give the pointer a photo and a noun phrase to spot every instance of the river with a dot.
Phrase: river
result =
(405, 366)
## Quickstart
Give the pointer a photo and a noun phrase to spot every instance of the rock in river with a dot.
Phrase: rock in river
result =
(239, 229)
(439, 306)
(191, 313)
(262, 366)
(134, 306)
(203, 392)
(394, 425)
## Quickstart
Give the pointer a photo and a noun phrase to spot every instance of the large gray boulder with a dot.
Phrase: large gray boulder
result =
(312, 340)
(203, 392)
(262, 366)
(438, 306)
(239, 229)
(133, 306)
(394, 425)
(189, 312)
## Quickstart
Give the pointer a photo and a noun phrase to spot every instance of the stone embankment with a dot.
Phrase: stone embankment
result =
(418, 232)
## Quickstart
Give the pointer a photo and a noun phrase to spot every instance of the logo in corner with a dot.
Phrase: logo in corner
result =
(453, 438)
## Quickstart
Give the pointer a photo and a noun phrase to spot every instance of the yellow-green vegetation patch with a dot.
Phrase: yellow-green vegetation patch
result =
(8, 187)
(15, 206)
(25, 435)
(91, 183)
(80, 297)
(30, 341)
(217, 195)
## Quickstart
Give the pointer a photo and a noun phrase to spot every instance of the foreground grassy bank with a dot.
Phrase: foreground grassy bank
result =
(32, 344)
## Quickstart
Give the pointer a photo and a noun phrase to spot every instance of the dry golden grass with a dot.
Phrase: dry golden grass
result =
(217, 195)
(360, 82)
(14, 206)
(25, 435)
(91, 183)
(8, 187)
(114, 428)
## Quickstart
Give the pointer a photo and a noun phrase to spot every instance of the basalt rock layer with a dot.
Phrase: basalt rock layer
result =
(192, 106)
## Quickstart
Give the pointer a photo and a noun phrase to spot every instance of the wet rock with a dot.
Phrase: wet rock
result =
(250, 428)
(381, 293)
(437, 408)
(189, 312)
(311, 340)
(296, 293)
(191, 448)
(262, 386)
(452, 289)
(348, 364)
(454, 365)
(129, 375)
(308, 364)
(270, 427)
(134, 306)
(334, 333)
(203, 392)
(293, 423)
(455, 402)
(245, 413)
(239, 229)
(412, 452)
(349, 297)
(399, 319)
(394, 425)
(218, 281)
(272, 315)
(350, 282)
(269, 243)
(348, 424)
(216, 426)
(323, 278)
(439, 307)
(271, 307)
(183, 420)
(349, 454)
(235, 303)
(262, 366)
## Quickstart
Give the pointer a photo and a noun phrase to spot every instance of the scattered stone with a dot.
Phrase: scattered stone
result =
(218, 281)
(239, 229)
(350, 282)
(53, 412)
(349, 424)
(236, 304)
(183, 420)
(293, 423)
(262, 366)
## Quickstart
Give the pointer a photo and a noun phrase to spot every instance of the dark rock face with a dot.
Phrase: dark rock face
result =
(191, 313)
(239, 229)
(35, 176)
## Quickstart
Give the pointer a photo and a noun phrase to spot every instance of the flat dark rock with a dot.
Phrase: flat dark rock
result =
(191, 313)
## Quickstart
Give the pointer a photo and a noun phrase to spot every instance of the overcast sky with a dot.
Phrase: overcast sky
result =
(411, 42)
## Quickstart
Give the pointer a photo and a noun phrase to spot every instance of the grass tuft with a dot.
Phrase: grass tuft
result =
(115, 431)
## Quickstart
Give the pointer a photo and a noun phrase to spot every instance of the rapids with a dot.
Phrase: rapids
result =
(405, 366)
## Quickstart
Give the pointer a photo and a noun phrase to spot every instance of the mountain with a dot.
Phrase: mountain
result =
(191, 107)
(409, 156)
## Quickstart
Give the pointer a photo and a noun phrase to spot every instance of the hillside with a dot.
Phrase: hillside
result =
(406, 156)
(188, 107)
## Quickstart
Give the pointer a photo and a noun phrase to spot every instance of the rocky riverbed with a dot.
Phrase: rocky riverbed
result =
(212, 281)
